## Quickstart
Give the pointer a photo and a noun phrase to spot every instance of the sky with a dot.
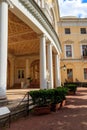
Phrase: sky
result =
(76, 8)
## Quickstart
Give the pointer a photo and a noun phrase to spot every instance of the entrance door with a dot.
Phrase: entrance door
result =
(70, 75)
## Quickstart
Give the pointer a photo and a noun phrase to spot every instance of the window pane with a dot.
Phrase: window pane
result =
(85, 73)
(68, 51)
(67, 30)
(20, 74)
(83, 30)
(84, 50)
(70, 75)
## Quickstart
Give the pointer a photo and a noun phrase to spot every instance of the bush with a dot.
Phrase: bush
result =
(41, 97)
(49, 96)
(71, 87)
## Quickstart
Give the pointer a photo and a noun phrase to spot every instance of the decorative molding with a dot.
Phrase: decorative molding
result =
(68, 41)
(83, 41)
(73, 23)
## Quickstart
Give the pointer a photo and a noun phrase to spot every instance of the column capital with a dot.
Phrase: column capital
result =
(42, 35)
(8, 2)
(49, 43)
(56, 54)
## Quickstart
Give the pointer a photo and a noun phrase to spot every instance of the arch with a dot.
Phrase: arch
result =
(35, 73)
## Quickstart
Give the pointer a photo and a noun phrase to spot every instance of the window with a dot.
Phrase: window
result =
(70, 75)
(68, 51)
(83, 30)
(67, 30)
(84, 50)
(85, 73)
(20, 74)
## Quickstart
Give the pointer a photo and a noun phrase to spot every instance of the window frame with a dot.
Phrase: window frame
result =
(83, 31)
(20, 74)
(85, 76)
(71, 51)
(67, 31)
(70, 75)
(82, 49)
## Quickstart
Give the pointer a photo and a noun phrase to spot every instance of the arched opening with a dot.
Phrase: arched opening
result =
(35, 74)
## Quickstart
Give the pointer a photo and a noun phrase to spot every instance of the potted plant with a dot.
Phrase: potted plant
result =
(41, 101)
(58, 98)
(71, 88)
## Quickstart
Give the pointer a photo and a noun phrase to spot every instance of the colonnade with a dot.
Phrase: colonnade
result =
(43, 56)
(49, 65)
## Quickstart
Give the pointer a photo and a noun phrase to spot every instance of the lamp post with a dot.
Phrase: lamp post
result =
(63, 67)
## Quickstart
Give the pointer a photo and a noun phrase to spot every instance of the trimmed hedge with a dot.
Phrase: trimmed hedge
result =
(71, 87)
(48, 96)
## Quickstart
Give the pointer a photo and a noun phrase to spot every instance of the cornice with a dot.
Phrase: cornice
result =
(35, 10)
(72, 23)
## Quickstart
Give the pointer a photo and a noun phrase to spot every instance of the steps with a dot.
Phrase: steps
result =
(3, 102)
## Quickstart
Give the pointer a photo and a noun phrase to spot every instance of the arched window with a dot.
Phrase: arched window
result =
(35, 69)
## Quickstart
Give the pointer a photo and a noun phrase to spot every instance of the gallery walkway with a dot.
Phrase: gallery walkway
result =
(72, 117)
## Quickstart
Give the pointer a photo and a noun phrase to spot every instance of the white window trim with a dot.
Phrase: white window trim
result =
(65, 51)
(81, 47)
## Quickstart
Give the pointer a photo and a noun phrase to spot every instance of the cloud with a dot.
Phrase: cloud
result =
(76, 8)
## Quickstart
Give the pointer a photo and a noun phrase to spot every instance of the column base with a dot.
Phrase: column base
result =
(3, 102)
(3, 98)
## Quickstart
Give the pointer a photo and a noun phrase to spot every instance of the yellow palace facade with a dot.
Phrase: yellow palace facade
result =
(73, 37)
(29, 44)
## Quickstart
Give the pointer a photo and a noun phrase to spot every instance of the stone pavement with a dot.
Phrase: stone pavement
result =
(71, 117)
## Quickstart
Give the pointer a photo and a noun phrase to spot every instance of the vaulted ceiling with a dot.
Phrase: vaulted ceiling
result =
(22, 40)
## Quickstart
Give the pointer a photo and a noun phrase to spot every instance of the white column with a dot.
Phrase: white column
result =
(57, 71)
(50, 65)
(3, 47)
(43, 81)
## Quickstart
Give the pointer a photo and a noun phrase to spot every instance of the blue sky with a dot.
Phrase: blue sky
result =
(76, 8)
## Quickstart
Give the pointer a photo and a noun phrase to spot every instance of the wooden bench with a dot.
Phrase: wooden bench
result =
(4, 116)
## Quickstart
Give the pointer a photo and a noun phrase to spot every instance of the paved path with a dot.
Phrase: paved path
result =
(72, 117)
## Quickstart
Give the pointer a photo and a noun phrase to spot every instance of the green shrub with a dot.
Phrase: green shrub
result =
(41, 97)
(48, 96)
(62, 92)
(71, 87)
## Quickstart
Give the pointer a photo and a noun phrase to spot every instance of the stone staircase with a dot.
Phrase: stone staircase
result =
(3, 102)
